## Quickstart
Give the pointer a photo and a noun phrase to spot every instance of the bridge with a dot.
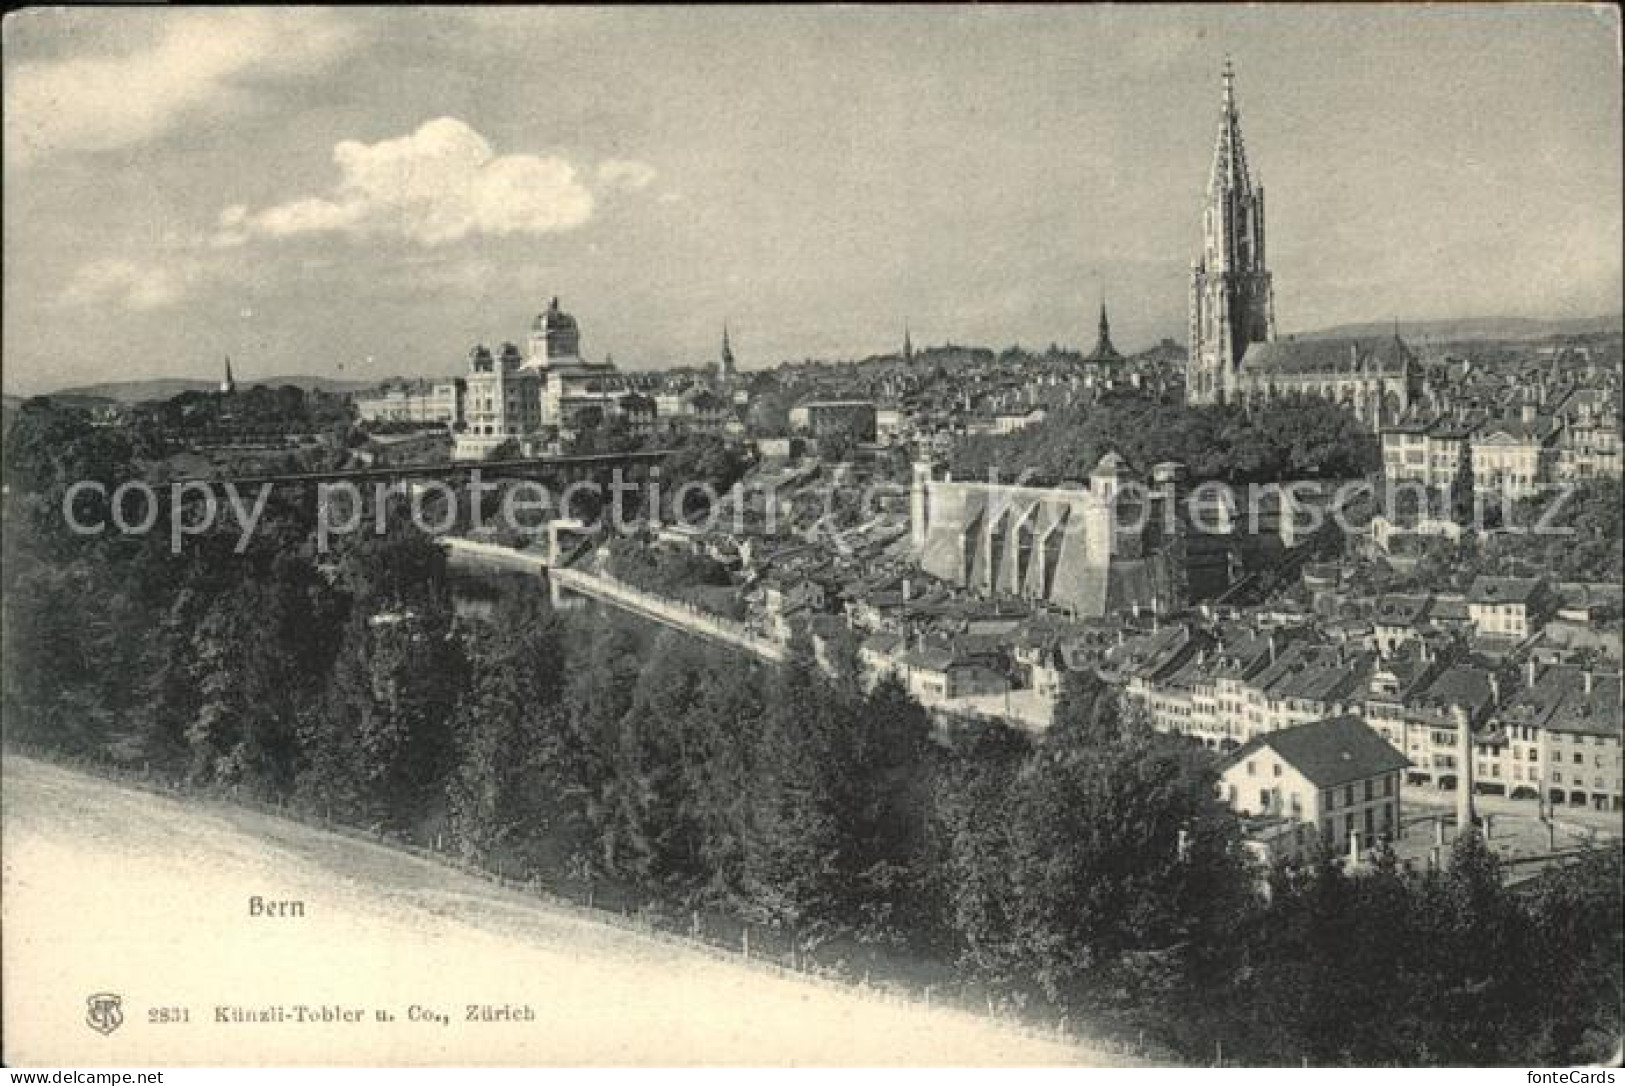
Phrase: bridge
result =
(675, 614)
(527, 467)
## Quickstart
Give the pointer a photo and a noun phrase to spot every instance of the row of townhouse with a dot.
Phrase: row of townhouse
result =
(1555, 740)
(936, 672)
(1513, 456)
(1226, 688)
(1540, 732)
(1505, 609)
(1559, 734)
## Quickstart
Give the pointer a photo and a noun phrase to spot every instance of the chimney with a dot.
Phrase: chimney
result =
(906, 587)
(1589, 680)
(1495, 689)
(1530, 672)
(1272, 648)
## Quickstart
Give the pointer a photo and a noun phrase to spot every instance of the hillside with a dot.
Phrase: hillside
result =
(162, 388)
(111, 889)
(1477, 328)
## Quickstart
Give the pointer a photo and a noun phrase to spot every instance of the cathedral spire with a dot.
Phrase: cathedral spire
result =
(228, 383)
(1230, 154)
(1232, 297)
(908, 344)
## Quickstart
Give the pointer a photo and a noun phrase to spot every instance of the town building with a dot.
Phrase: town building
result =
(1560, 734)
(1510, 608)
(1326, 784)
(1589, 442)
(1515, 458)
(502, 401)
(422, 402)
(827, 418)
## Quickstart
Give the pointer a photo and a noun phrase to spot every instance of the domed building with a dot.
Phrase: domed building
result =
(520, 396)
(570, 382)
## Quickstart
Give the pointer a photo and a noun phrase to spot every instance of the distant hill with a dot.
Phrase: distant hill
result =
(1471, 328)
(163, 388)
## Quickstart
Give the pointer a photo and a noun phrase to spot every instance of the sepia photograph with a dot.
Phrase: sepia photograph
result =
(802, 536)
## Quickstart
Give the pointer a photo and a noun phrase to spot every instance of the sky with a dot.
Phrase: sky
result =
(360, 193)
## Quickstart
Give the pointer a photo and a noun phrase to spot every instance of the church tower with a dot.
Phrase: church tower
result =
(1104, 352)
(1232, 300)
(726, 371)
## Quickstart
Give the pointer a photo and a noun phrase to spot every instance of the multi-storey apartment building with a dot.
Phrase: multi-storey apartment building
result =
(1514, 459)
(429, 403)
(1429, 452)
(1560, 735)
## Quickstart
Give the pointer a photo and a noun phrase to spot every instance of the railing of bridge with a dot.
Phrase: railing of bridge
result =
(664, 609)
(673, 612)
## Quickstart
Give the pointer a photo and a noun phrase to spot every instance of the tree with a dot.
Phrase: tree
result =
(791, 872)
(508, 449)
(884, 804)
(508, 793)
(1120, 848)
(973, 826)
(1576, 911)
(379, 742)
(1087, 712)
(244, 729)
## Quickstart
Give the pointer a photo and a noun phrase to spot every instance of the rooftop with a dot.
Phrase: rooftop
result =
(1503, 589)
(1331, 752)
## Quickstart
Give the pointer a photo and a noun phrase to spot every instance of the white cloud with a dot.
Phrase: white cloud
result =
(179, 65)
(440, 184)
(625, 173)
(125, 284)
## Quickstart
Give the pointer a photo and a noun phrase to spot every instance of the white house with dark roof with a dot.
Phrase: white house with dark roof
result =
(1330, 781)
(1508, 607)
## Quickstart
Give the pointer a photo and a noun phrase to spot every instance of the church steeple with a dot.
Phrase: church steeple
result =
(725, 363)
(228, 383)
(1232, 298)
(1104, 351)
(908, 344)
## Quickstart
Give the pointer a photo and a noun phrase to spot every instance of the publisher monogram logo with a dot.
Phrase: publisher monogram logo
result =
(105, 1012)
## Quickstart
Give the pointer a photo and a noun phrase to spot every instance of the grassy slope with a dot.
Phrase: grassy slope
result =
(107, 888)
